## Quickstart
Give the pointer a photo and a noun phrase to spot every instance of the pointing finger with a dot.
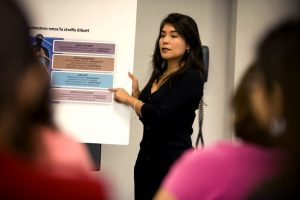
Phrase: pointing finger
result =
(113, 89)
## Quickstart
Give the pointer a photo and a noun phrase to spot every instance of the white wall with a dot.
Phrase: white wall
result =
(254, 19)
(231, 29)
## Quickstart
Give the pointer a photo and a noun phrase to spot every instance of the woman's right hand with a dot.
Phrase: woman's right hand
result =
(120, 95)
(135, 85)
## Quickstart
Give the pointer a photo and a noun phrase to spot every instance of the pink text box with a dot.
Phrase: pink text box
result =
(84, 96)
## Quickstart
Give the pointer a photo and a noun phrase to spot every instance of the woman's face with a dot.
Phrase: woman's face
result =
(172, 45)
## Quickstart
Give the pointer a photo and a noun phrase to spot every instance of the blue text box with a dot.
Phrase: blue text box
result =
(78, 80)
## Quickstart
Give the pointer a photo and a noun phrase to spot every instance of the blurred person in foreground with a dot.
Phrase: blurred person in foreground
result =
(229, 169)
(279, 61)
(37, 160)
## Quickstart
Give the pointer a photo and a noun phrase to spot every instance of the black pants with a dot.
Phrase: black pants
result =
(149, 172)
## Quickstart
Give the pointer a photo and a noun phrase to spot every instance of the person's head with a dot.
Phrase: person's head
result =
(39, 39)
(179, 43)
(24, 99)
(246, 124)
(278, 100)
(279, 61)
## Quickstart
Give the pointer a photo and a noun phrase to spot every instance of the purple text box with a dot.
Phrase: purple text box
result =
(63, 46)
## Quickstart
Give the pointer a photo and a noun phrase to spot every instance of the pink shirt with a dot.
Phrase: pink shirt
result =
(63, 155)
(224, 171)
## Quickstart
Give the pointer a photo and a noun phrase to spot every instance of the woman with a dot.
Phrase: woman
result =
(228, 170)
(280, 63)
(167, 104)
(33, 164)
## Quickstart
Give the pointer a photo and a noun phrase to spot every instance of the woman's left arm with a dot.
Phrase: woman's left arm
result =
(121, 96)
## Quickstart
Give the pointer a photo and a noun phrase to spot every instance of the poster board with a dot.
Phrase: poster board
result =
(90, 49)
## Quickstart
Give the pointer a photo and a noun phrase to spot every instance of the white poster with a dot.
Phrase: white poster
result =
(87, 47)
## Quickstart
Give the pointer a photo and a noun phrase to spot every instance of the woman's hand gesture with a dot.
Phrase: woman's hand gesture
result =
(135, 85)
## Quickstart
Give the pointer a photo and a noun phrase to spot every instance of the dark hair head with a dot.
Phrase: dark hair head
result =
(39, 39)
(17, 61)
(15, 52)
(246, 125)
(188, 29)
(279, 60)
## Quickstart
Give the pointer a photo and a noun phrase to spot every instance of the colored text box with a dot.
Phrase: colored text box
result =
(85, 80)
(89, 63)
(63, 46)
(89, 96)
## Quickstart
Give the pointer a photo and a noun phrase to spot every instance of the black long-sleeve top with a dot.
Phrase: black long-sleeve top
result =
(168, 113)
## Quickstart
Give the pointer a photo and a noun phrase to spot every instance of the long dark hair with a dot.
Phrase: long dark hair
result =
(192, 59)
(16, 60)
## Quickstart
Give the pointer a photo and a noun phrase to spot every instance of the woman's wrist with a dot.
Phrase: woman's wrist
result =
(130, 100)
(135, 104)
(135, 93)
